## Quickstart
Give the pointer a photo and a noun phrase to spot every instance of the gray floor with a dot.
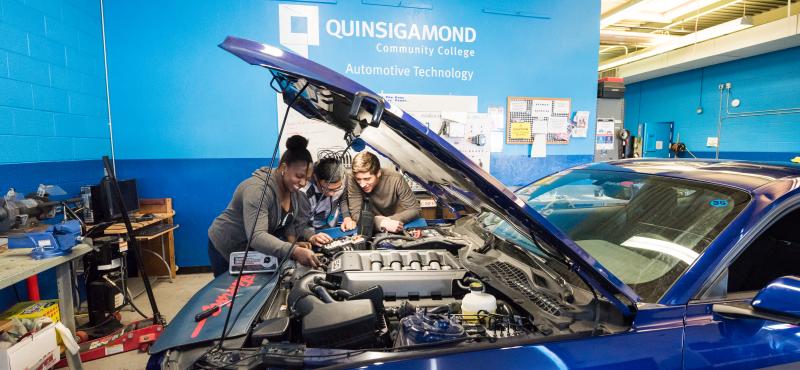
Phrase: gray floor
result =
(170, 298)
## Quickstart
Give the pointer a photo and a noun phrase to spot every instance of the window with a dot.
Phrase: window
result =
(647, 230)
(773, 254)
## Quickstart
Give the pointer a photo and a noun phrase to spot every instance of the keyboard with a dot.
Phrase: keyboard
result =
(154, 229)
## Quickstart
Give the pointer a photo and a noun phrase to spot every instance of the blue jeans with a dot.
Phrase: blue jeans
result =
(219, 264)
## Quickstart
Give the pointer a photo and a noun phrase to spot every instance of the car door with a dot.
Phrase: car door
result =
(720, 342)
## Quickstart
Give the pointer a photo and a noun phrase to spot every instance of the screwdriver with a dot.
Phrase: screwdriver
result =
(208, 312)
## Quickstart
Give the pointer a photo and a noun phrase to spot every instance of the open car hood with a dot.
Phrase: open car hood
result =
(422, 154)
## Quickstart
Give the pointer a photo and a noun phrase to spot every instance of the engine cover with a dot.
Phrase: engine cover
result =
(401, 274)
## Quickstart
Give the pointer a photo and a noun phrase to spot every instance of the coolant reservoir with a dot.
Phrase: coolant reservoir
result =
(476, 301)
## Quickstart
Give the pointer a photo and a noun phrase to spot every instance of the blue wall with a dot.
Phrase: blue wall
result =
(191, 120)
(53, 116)
(762, 82)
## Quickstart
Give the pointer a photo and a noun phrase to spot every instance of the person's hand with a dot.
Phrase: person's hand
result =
(348, 224)
(319, 239)
(391, 226)
(303, 255)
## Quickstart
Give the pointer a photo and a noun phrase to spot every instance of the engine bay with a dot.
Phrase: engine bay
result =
(432, 286)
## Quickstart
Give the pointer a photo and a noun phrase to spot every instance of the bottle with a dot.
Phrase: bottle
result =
(477, 301)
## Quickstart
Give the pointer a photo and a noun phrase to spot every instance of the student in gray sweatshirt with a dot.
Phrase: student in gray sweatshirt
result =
(391, 200)
(282, 228)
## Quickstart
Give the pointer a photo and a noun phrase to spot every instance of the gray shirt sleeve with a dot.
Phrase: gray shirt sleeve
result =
(343, 207)
(263, 241)
(408, 208)
(304, 228)
(354, 201)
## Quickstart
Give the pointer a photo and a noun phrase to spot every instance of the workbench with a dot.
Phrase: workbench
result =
(17, 265)
(158, 249)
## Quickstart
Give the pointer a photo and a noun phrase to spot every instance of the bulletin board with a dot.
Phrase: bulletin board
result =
(529, 116)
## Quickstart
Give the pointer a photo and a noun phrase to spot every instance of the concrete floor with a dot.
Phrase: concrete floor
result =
(170, 298)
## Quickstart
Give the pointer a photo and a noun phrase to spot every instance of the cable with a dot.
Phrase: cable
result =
(258, 213)
(127, 296)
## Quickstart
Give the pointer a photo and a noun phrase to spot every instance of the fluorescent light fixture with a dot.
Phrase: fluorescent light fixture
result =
(703, 14)
(688, 7)
(630, 37)
(682, 41)
(623, 12)
(662, 246)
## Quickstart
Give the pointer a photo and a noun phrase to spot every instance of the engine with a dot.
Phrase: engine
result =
(393, 291)
(401, 274)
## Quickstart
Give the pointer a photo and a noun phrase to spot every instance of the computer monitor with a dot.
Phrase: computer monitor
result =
(104, 207)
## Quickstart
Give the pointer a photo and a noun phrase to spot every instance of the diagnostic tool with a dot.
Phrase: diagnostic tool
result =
(256, 262)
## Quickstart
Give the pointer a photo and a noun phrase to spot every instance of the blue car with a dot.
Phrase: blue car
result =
(633, 264)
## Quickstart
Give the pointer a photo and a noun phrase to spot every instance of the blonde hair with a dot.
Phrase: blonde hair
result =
(366, 162)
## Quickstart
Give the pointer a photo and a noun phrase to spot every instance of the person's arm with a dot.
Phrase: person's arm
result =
(355, 200)
(343, 207)
(409, 208)
(304, 227)
(263, 241)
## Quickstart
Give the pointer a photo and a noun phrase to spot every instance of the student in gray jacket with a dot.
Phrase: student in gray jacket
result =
(283, 227)
(387, 193)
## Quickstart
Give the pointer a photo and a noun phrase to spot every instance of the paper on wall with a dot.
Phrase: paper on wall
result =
(542, 108)
(496, 141)
(604, 138)
(456, 130)
(433, 103)
(498, 116)
(539, 125)
(557, 125)
(520, 130)
(561, 107)
(518, 106)
(539, 146)
(581, 124)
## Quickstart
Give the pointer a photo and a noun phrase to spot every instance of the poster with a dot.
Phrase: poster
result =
(581, 123)
(604, 139)
(498, 117)
(558, 130)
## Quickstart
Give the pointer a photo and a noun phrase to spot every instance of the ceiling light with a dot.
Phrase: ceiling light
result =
(682, 41)
(624, 12)
(687, 8)
(628, 37)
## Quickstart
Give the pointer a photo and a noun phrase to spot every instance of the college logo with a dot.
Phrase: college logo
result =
(299, 27)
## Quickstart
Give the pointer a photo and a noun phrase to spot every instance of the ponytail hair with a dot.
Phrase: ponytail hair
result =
(296, 151)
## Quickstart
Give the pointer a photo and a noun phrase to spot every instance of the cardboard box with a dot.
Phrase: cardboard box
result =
(33, 309)
(36, 351)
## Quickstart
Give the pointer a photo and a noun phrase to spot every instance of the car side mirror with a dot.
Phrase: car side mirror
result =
(779, 301)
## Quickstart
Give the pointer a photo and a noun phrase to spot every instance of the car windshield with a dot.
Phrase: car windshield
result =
(646, 229)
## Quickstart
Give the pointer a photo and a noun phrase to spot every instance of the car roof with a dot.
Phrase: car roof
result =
(745, 175)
